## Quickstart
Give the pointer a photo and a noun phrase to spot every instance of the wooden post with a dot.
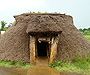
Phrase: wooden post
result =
(36, 48)
(53, 50)
(32, 50)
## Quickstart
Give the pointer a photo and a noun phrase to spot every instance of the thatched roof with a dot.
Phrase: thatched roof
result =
(14, 44)
(43, 24)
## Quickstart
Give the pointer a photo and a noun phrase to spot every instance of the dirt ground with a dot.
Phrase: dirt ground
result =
(12, 71)
(41, 68)
(20, 71)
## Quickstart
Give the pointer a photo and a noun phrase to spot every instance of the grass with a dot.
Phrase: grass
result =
(80, 66)
(87, 37)
(9, 64)
(41, 12)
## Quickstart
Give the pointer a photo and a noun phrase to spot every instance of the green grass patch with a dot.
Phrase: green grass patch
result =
(87, 37)
(80, 66)
(15, 64)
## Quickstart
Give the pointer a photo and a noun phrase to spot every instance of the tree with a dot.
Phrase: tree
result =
(88, 28)
(87, 32)
(84, 29)
(3, 23)
(81, 30)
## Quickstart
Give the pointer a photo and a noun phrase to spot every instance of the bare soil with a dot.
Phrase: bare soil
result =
(20, 71)
(12, 71)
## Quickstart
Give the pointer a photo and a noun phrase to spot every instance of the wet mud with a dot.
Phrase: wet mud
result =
(12, 71)
(20, 71)
(42, 71)
(42, 68)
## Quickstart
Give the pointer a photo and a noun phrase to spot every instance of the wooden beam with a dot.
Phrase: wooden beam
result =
(44, 39)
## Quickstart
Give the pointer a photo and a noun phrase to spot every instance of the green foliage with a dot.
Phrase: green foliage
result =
(85, 31)
(3, 28)
(3, 23)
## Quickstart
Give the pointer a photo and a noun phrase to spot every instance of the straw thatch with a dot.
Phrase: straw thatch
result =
(14, 44)
(43, 24)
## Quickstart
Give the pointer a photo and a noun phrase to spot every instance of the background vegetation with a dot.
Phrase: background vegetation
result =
(3, 26)
(87, 37)
(85, 31)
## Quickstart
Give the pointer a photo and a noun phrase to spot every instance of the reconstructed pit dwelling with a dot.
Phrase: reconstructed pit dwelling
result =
(37, 35)
(43, 44)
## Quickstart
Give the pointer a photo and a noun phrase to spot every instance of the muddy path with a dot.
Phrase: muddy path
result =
(41, 68)
(12, 71)
(20, 71)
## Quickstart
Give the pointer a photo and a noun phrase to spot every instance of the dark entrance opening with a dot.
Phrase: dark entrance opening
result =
(42, 48)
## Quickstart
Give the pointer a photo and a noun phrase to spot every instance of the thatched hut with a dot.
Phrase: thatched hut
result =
(36, 35)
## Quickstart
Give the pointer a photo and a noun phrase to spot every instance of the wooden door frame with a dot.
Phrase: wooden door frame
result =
(33, 50)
